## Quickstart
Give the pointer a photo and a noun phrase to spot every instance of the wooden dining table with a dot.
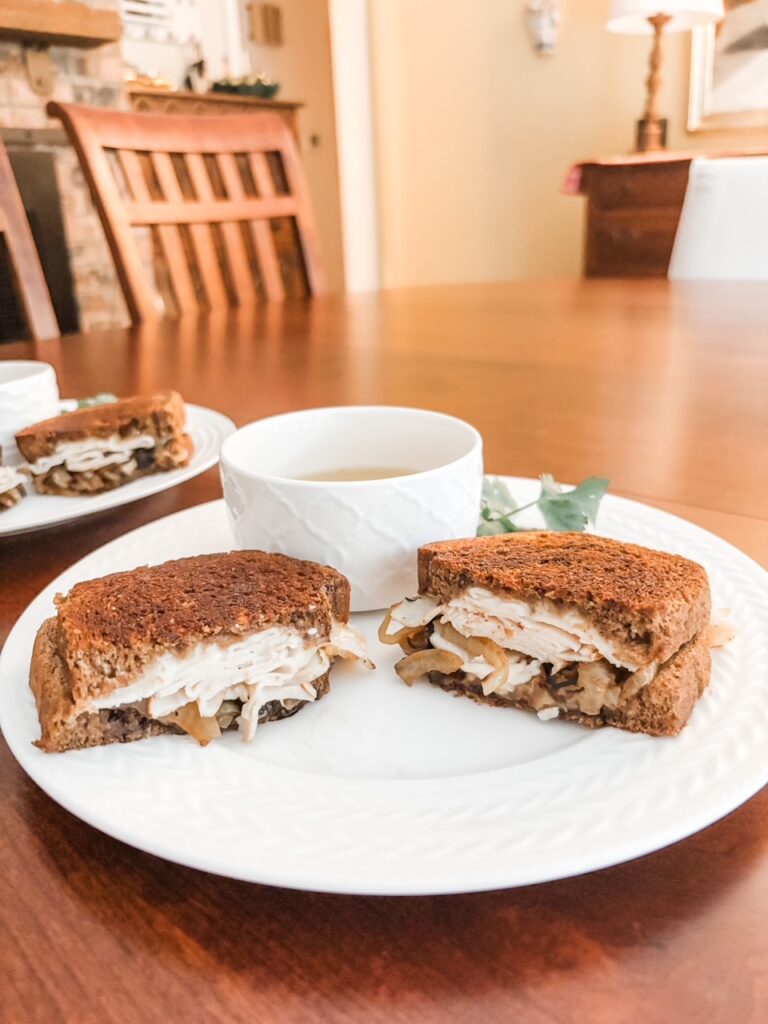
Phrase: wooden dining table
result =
(663, 389)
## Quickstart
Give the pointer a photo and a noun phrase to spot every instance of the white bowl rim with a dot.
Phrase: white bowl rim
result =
(227, 460)
(35, 368)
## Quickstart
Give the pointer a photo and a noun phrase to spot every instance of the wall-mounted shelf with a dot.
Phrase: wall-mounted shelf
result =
(60, 24)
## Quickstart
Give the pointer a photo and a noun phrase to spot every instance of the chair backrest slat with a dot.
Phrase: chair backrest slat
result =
(113, 210)
(243, 281)
(204, 188)
(263, 239)
(203, 255)
(305, 218)
(25, 263)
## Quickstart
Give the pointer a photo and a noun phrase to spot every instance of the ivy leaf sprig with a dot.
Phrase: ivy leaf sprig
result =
(103, 398)
(562, 510)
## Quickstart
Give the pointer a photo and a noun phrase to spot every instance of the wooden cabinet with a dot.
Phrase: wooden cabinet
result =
(633, 208)
(632, 215)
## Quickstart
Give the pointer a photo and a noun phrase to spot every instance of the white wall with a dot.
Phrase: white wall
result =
(354, 132)
(475, 133)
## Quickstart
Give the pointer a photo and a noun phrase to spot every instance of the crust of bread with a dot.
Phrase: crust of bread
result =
(662, 708)
(649, 603)
(110, 628)
(162, 415)
(62, 728)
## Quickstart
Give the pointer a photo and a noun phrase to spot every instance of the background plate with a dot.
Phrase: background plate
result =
(208, 428)
(383, 789)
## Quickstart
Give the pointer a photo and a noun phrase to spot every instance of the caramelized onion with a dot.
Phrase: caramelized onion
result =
(597, 680)
(228, 713)
(400, 635)
(191, 721)
(479, 647)
(416, 641)
(636, 682)
(415, 667)
(346, 655)
(535, 694)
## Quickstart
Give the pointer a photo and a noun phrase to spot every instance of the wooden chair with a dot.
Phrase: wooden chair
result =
(25, 266)
(223, 199)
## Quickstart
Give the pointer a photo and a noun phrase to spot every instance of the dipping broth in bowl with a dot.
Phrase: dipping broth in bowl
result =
(357, 474)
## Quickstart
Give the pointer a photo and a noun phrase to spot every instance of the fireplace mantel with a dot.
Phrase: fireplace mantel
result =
(43, 22)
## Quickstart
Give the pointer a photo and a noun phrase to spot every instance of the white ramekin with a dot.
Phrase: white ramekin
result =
(28, 393)
(367, 529)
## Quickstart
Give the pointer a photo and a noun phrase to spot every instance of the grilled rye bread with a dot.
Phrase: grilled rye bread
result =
(92, 450)
(109, 633)
(565, 624)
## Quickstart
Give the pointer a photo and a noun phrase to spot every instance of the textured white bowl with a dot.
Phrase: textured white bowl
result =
(28, 393)
(367, 529)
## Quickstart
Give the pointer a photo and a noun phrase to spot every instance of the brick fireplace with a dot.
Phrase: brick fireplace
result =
(43, 160)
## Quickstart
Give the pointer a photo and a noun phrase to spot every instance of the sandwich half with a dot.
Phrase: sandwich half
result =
(197, 645)
(11, 485)
(100, 448)
(567, 625)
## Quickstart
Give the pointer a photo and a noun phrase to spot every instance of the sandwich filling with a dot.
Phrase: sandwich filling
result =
(212, 686)
(11, 486)
(93, 453)
(10, 478)
(100, 463)
(538, 654)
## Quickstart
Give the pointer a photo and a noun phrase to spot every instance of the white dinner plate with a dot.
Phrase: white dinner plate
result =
(384, 789)
(208, 429)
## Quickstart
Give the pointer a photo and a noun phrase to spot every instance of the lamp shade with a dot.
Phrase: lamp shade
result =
(632, 15)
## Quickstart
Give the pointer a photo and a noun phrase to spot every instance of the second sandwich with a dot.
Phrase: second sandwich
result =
(565, 624)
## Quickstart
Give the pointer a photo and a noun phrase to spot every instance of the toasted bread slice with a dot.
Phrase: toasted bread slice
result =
(110, 632)
(161, 414)
(647, 602)
(56, 448)
(661, 708)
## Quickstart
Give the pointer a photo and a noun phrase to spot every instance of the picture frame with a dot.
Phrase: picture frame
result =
(729, 70)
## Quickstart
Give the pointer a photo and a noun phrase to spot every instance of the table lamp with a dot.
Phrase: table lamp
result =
(657, 16)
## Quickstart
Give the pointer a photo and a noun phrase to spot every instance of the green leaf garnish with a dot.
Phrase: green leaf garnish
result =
(496, 498)
(562, 510)
(103, 398)
(571, 510)
(492, 527)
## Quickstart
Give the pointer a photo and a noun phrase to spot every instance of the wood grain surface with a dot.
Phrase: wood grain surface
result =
(663, 389)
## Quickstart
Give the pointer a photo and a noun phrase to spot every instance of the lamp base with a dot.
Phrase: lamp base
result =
(651, 134)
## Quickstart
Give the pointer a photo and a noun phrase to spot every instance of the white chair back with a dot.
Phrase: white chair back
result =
(723, 229)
